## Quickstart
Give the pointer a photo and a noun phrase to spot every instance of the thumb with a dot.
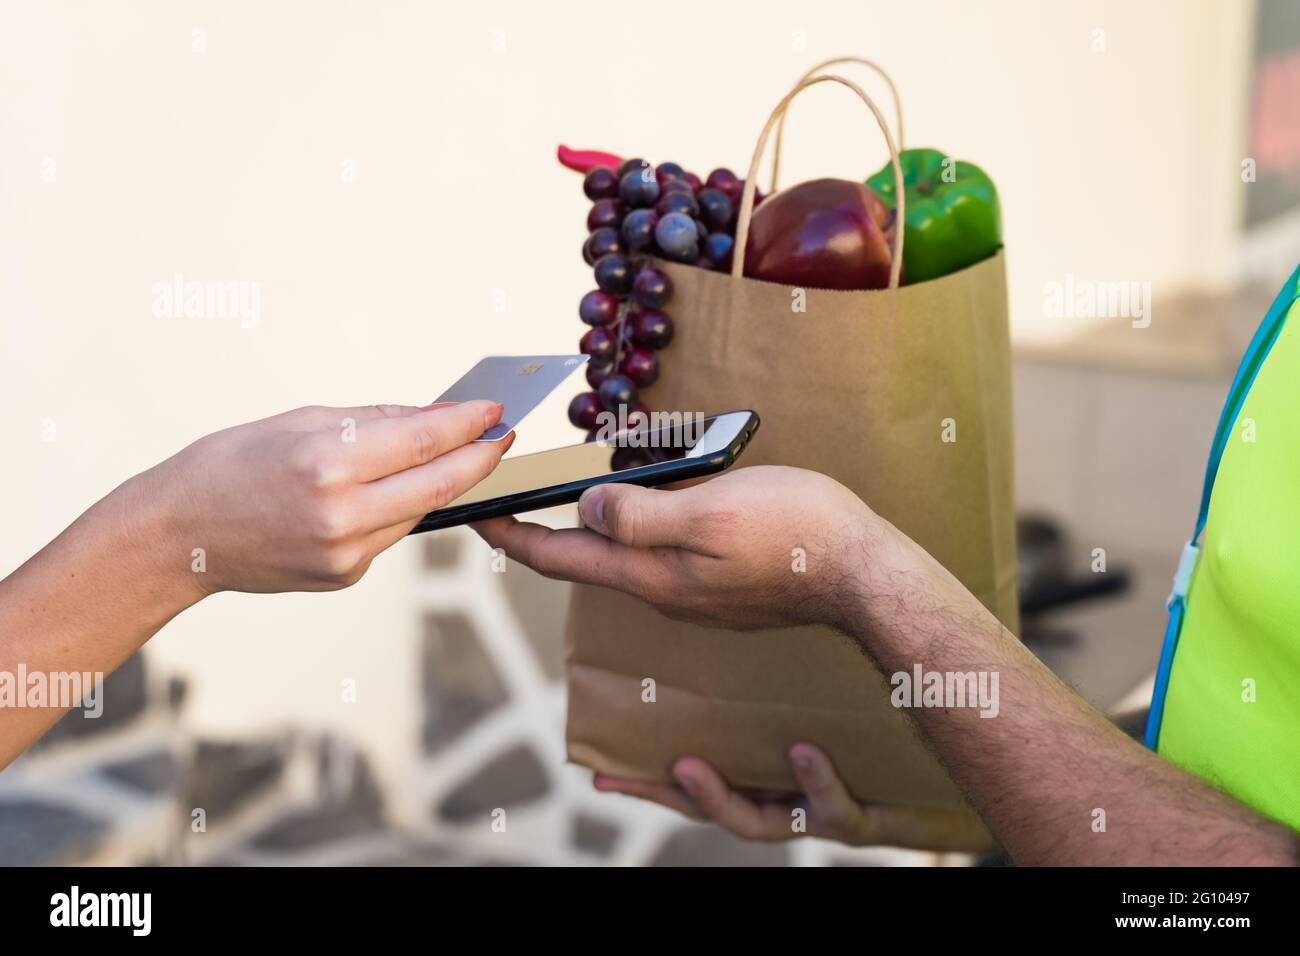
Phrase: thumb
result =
(635, 516)
(828, 798)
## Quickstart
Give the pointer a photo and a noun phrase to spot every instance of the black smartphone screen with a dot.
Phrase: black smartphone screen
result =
(675, 447)
(683, 437)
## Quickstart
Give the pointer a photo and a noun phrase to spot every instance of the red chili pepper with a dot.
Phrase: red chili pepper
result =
(585, 160)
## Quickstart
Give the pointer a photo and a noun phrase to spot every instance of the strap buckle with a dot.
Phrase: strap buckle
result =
(1183, 576)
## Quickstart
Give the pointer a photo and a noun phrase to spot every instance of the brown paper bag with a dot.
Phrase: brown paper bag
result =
(859, 387)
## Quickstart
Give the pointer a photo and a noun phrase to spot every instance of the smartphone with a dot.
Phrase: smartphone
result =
(680, 449)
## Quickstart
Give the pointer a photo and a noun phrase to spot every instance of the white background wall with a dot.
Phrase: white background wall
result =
(226, 165)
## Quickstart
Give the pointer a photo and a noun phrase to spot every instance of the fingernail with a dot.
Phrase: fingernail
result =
(507, 442)
(801, 759)
(687, 783)
(494, 413)
(592, 509)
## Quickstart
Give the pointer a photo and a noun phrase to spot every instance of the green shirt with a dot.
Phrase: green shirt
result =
(1232, 713)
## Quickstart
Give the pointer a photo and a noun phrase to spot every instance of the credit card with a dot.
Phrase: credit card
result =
(518, 382)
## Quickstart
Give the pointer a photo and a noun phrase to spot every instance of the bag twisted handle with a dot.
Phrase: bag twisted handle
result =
(751, 180)
(835, 61)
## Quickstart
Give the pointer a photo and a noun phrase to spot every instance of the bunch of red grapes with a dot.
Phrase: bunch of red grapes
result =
(640, 212)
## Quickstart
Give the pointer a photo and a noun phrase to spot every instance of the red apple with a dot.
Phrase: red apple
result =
(822, 234)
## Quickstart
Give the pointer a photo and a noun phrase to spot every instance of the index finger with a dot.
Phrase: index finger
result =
(384, 446)
(731, 809)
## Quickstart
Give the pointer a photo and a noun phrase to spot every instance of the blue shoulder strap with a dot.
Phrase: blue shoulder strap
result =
(1250, 365)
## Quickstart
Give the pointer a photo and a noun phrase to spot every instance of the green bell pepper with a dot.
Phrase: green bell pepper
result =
(952, 217)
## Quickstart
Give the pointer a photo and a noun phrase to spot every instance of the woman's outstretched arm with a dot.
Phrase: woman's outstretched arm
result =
(303, 501)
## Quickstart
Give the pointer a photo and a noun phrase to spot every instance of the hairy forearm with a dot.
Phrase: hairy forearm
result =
(87, 601)
(1053, 779)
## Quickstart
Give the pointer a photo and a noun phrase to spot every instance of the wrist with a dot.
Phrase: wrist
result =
(148, 519)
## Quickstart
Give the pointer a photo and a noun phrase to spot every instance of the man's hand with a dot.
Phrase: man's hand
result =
(829, 811)
(723, 552)
(757, 547)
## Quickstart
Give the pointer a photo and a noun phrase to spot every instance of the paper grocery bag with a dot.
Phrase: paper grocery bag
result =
(862, 386)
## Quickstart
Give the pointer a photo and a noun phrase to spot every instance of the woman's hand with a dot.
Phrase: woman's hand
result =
(304, 501)
(299, 502)
(827, 809)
